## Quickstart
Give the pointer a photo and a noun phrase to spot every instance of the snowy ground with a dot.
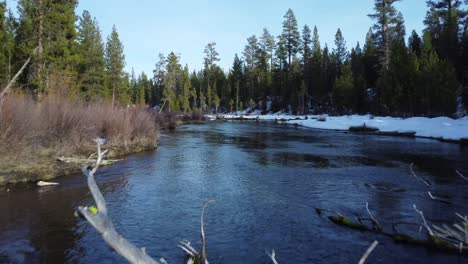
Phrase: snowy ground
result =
(439, 128)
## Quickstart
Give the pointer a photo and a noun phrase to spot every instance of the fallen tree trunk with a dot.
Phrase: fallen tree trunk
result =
(442, 240)
(98, 218)
(86, 161)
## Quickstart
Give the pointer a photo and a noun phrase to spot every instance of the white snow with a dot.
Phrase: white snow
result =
(440, 127)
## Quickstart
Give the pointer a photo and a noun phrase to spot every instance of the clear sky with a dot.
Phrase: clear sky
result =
(149, 27)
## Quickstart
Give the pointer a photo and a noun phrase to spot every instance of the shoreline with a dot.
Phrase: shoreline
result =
(443, 129)
(48, 168)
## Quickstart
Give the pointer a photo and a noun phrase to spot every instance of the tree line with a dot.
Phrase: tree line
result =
(390, 73)
(69, 56)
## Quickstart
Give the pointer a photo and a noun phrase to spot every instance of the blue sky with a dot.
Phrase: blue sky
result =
(149, 27)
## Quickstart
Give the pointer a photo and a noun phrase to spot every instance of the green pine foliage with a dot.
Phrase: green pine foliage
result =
(116, 79)
(90, 66)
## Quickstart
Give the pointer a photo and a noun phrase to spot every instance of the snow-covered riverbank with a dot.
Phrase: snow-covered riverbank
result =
(443, 128)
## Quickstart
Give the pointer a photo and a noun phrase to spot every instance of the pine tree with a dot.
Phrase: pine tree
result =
(306, 42)
(316, 67)
(211, 55)
(159, 74)
(357, 67)
(267, 43)
(371, 60)
(5, 60)
(443, 21)
(133, 86)
(290, 35)
(187, 93)
(437, 83)
(91, 66)
(236, 79)
(47, 33)
(115, 63)
(59, 41)
(306, 50)
(340, 51)
(172, 82)
(250, 52)
(414, 43)
(343, 93)
(386, 19)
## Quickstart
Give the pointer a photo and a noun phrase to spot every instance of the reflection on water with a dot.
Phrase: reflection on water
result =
(266, 180)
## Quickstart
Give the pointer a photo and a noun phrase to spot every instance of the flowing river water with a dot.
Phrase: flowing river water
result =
(267, 180)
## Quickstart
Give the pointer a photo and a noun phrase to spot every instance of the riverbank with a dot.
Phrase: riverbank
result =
(439, 128)
(34, 135)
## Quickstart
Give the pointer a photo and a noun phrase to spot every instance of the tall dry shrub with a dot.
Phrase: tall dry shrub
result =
(67, 127)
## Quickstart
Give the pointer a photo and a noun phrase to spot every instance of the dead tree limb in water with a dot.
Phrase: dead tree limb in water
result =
(368, 252)
(99, 219)
(376, 223)
(273, 256)
(461, 175)
(424, 222)
(440, 238)
(419, 178)
(185, 245)
(202, 227)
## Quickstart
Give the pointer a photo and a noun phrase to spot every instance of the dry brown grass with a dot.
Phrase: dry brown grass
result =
(33, 133)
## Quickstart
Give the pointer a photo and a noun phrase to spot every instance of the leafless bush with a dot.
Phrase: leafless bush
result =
(67, 125)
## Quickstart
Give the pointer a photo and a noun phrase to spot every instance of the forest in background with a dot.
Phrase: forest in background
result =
(392, 72)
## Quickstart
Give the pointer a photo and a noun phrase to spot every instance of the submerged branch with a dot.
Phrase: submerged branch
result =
(461, 175)
(419, 178)
(376, 224)
(273, 256)
(424, 222)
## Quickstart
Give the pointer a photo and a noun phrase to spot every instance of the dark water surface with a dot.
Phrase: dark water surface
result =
(266, 180)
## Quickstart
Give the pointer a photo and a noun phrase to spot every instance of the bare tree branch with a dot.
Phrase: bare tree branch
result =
(421, 214)
(273, 256)
(368, 252)
(99, 219)
(461, 175)
(419, 178)
(436, 198)
(374, 221)
(203, 231)
(7, 89)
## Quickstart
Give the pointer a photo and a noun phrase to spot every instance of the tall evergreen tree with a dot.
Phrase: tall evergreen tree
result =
(172, 82)
(91, 66)
(306, 50)
(443, 20)
(290, 35)
(211, 55)
(306, 42)
(340, 51)
(4, 61)
(414, 43)
(115, 63)
(159, 74)
(187, 93)
(386, 18)
(316, 68)
(267, 43)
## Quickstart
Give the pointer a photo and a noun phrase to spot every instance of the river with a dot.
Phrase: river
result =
(267, 179)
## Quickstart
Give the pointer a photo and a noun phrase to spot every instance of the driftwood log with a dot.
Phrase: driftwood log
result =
(98, 218)
(443, 238)
(87, 161)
